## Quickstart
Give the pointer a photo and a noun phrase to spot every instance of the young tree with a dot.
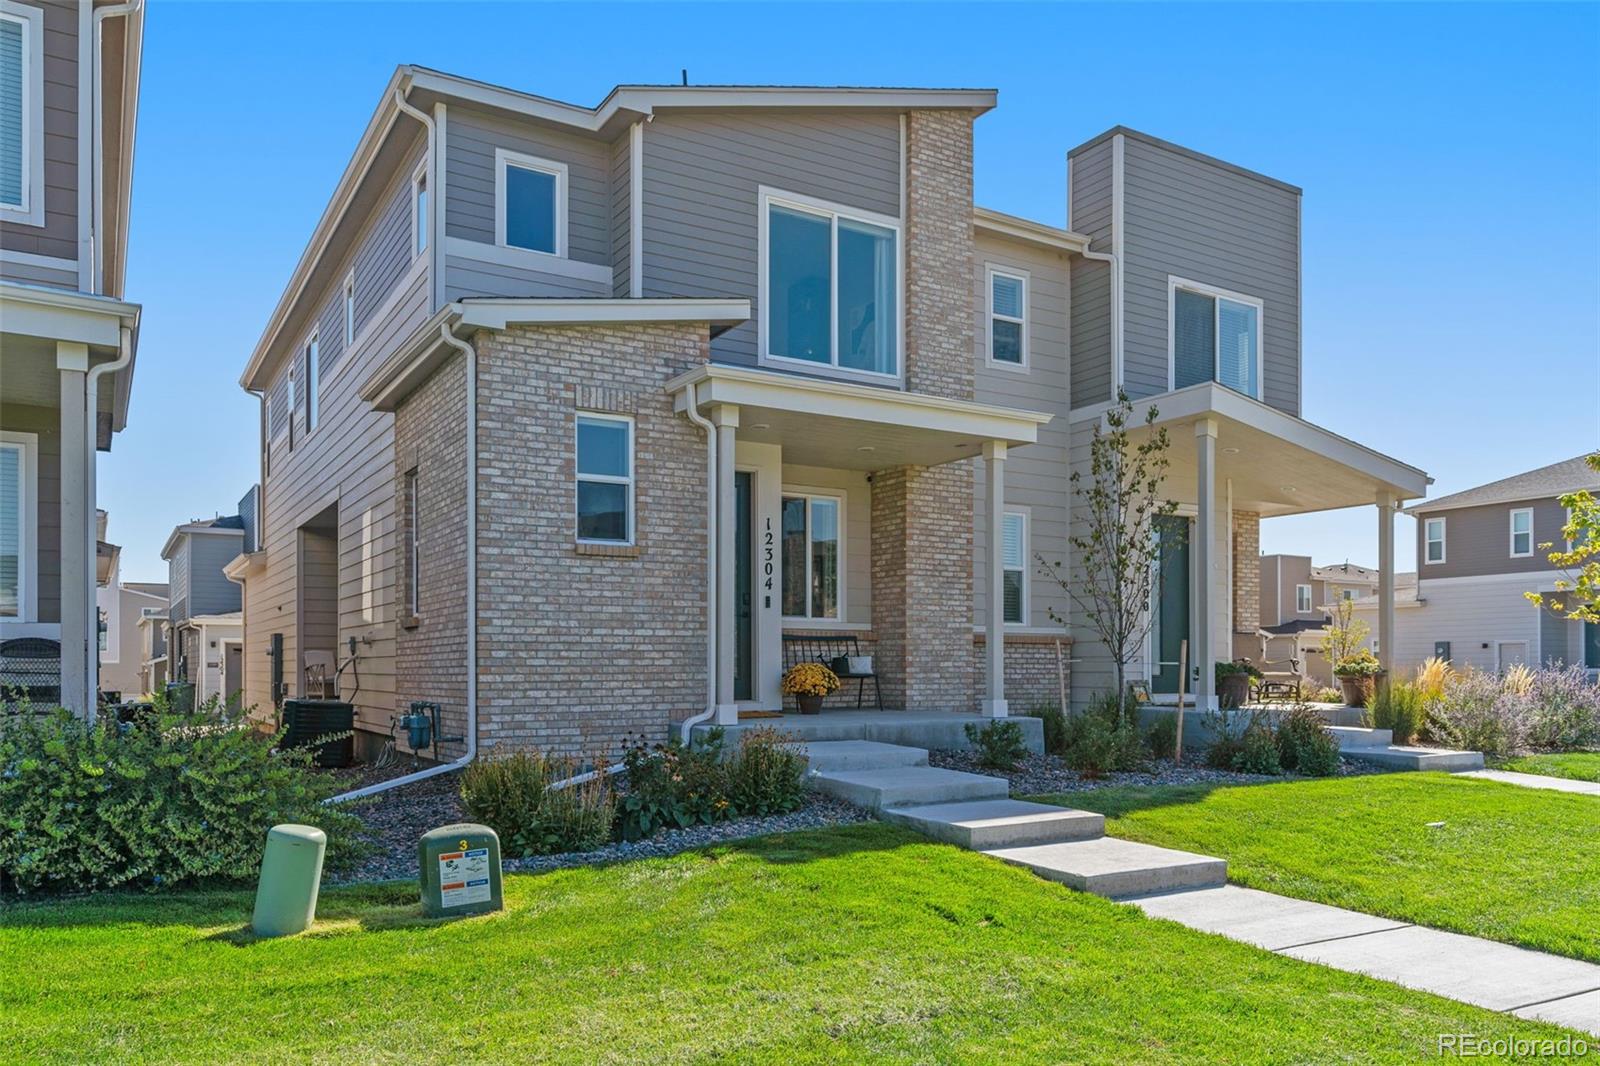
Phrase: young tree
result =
(1577, 595)
(1120, 501)
(1346, 634)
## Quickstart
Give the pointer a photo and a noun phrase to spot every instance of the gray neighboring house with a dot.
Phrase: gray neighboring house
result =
(204, 621)
(579, 421)
(1478, 553)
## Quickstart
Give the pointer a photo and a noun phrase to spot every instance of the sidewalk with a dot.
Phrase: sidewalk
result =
(1555, 784)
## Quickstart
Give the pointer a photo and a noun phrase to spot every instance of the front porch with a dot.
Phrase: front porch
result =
(917, 729)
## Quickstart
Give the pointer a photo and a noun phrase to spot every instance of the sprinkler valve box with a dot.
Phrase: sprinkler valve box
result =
(460, 868)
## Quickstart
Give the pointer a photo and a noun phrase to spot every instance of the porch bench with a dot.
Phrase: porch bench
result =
(825, 648)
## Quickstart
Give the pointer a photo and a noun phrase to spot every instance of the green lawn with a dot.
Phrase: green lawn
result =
(1508, 863)
(858, 943)
(1577, 765)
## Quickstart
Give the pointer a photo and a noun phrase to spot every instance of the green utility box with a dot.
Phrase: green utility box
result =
(460, 870)
(291, 875)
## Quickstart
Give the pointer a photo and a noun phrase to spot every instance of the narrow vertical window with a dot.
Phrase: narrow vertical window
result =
(413, 545)
(313, 374)
(1522, 533)
(605, 479)
(1433, 540)
(289, 378)
(22, 114)
(1302, 599)
(419, 212)
(1008, 318)
(1014, 567)
(15, 561)
(813, 551)
(349, 311)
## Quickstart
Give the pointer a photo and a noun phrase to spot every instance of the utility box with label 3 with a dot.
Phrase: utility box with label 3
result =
(460, 871)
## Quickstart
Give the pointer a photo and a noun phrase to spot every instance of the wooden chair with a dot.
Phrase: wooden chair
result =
(322, 682)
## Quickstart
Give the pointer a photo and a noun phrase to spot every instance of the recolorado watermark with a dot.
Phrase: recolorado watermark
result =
(1477, 1046)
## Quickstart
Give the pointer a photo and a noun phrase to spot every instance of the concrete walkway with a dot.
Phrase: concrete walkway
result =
(1554, 784)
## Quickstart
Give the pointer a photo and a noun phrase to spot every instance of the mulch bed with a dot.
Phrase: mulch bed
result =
(1042, 774)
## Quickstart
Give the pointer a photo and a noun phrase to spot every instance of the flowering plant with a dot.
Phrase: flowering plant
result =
(809, 679)
(1362, 664)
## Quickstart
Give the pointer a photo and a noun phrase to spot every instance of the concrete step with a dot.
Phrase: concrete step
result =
(907, 786)
(862, 755)
(1117, 868)
(999, 823)
(1351, 736)
(1412, 758)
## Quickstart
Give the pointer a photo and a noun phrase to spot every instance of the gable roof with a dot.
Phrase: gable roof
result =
(1551, 481)
(1346, 571)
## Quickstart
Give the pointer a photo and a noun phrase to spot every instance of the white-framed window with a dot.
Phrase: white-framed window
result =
(19, 560)
(413, 544)
(1008, 317)
(830, 293)
(605, 478)
(1433, 541)
(1014, 567)
(313, 378)
(1521, 532)
(1347, 594)
(21, 113)
(1213, 335)
(349, 308)
(530, 203)
(812, 526)
(289, 386)
(1302, 599)
(419, 212)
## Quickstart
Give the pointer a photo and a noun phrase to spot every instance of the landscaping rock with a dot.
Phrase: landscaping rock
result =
(1038, 775)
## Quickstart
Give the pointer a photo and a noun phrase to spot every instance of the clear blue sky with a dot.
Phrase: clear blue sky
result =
(1450, 157)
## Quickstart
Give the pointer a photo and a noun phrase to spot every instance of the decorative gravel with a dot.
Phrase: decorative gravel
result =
(395, 821)
(1042, 774)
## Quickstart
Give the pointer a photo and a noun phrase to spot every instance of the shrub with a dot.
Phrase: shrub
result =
(1162, 736)
(999, 743)
(510, 793)
(809, 679)
(1432, 676)
(1257, 752)
(1103, 739)
(672, 786)
(767, 774)
(1477, 713)
(1306, 745)
(1362, 664)
(1326, 695)
(175, 799)
(1055, 726)
(1566, 710)
(1399, 707)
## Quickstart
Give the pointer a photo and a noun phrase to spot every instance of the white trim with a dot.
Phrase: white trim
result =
(1026, 516)
(1200, 288)
(1499, 647)
(636, 210)
(28, 522)
(381, 318)
(30, 211)
(1302, 594)
(311, 356)
(348, 310)
(1012, 227)
(766, 198)
(1118, 202)
(1531, 579)
(421, 239)
(498, 314)
(991, 272)
(43, 262)
(1511, 518)
(528, 259)
(841, 570)
(578, 477)
(503, 158)
(412, 481)
(1427, 540)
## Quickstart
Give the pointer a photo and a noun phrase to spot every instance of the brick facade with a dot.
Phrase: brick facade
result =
(939, 254)
(1246, 571)
(1032, 678)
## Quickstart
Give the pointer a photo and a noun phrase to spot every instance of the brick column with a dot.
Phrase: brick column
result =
(1246, 571)
(939, 254)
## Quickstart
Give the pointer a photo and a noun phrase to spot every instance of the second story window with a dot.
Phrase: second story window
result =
(1215, 335)
(1433, 540)
(312, 374)
(530, 203)
(18, 475)
(830, 285)
(349, 308)
(1008, 318)
(605, 479)
(21, 114)
(1522, 533)
(419, 212)
(1302, 599)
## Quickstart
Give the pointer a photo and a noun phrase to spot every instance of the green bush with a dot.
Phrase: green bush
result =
(1103, 738)
(1162, 736)
(1306, 745)
(767, 774)
(510, 793)
(1400, 708)
(1257, 752)
(1055, 726)
(999, 743)
(673, 787)
(171, 800)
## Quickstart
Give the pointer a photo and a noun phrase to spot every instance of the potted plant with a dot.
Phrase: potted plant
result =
(1356, 674)
(808, 683)
(1233, 683)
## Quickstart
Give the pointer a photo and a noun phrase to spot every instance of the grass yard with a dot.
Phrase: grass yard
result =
(1575, 765)
(1513, 864)
(859, 943)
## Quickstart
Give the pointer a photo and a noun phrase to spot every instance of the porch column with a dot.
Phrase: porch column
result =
(726, 419)
(1386, 509)
(77, 515)
(994, 646)
(1201, 654)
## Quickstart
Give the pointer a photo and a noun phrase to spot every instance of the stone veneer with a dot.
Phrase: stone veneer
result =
(1032, 677)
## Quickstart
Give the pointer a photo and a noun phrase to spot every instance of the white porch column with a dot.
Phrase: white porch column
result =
(1386, 509)
(994, 646)
(77, 515)
(1201, 653)
(726, 419)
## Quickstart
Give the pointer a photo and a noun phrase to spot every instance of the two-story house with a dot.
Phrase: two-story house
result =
(69, 91)
(1478, 553)
(204, 637)
(573, 417)
(121, 606)
(1297, 598)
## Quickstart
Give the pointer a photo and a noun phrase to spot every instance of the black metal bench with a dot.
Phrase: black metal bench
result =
(30, 670)
(825, 648)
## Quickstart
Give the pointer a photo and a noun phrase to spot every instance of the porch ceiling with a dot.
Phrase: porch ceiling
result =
(1278, 464)
(847, 426)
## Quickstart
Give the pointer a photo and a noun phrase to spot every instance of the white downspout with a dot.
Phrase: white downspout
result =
(97, 209)
(692, 408)
(471, 753)
(435, 204)
(91, 434)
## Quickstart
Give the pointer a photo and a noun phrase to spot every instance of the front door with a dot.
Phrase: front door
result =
(1171, 623)
(232, 671)
(743, 590)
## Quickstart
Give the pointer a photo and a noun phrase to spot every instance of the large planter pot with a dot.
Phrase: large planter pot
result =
(1233, 691)
(1357, 689)
(809, 704)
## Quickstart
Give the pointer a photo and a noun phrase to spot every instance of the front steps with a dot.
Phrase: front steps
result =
(1118, 869)
(1399, 757)
(1352, 737)
(830, 755)
(980, 825)
(907, 786)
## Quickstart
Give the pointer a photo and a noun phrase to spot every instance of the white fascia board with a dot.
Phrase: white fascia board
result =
(61, 314)
(566, 311)
(1016, 228)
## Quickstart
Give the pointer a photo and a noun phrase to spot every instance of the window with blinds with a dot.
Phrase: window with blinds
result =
(14, 132)
(12, 534)
(1014, 566)
(1215, 338)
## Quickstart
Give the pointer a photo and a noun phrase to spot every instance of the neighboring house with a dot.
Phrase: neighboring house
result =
(575, 418)
(1296, 600)
(1478, 553)
(69, 91)
(204, 619)
(152, 650)
(121, 606)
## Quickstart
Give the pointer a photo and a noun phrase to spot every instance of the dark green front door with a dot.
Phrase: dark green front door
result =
(743, 640)
(1172, 602)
